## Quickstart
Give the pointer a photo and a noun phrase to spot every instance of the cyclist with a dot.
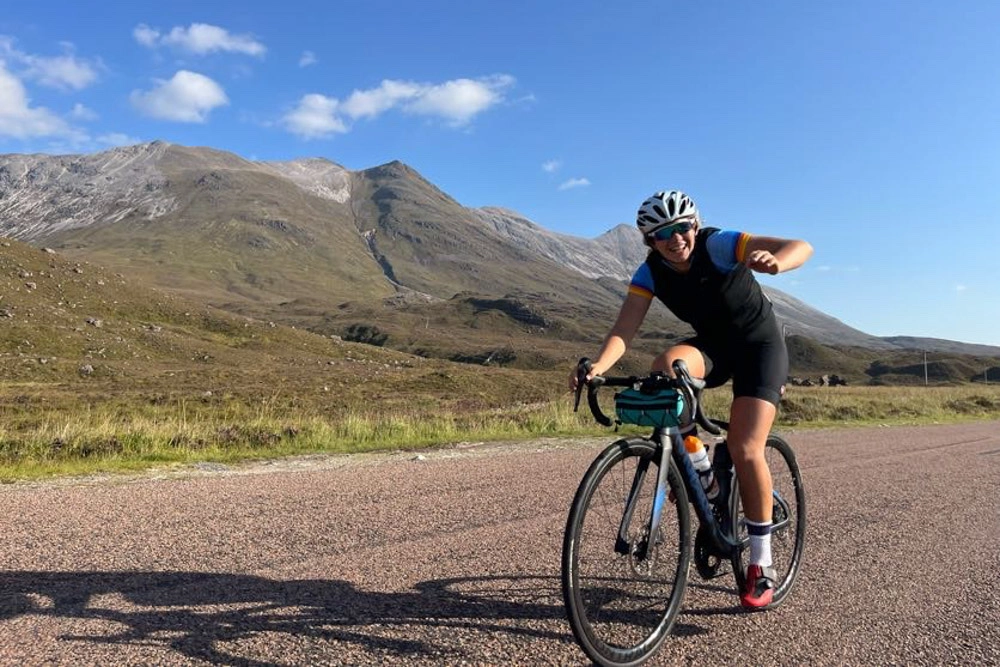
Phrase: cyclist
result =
(704, 276)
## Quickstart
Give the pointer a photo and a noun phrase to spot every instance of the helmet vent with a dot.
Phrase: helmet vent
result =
(664, 208)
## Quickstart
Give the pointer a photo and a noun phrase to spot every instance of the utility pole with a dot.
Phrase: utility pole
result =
(925, 368)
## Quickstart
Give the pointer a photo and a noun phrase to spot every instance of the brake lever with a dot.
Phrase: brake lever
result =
(583, 368)
(595, 408)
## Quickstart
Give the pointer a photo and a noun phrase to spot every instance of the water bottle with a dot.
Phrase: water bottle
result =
(698, 452)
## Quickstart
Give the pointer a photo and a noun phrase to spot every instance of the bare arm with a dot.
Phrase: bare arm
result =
(630, 317)
(768, 254)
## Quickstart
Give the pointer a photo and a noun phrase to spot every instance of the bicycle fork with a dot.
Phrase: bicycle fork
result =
(671, 445)
(622, 545)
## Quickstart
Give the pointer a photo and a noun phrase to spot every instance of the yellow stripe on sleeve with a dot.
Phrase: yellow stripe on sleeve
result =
(640, 291)
(741, 247)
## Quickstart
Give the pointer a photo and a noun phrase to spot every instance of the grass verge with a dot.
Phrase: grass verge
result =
(44, 436)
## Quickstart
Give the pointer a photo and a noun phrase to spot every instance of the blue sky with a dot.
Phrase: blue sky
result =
(868, 128)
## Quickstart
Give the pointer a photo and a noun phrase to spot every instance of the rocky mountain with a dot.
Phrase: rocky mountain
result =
(426, 241)
(202, 222)
(612, 254)
(215, 225)
(380, 254)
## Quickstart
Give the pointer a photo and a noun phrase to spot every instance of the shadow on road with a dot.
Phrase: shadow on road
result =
(197, 614)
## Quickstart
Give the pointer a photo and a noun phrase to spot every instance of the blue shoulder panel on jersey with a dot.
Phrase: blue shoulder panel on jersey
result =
(642, 281)
(722, 249)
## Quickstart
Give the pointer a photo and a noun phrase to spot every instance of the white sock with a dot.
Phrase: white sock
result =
(760, 543)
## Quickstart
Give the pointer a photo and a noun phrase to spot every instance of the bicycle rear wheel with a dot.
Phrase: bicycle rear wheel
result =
(788, 536)
(621, 606)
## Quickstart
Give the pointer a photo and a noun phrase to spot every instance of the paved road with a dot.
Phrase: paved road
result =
(454, 559)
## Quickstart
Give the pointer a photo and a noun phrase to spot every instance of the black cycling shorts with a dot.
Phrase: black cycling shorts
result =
(757, 362)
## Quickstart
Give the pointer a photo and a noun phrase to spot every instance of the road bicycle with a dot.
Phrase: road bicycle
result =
(628, 543)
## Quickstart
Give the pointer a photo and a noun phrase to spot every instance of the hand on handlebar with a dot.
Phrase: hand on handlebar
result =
(580, 376)
(584, 376)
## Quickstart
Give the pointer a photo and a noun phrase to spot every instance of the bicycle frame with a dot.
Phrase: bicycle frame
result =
(692, 481)
(670, 446)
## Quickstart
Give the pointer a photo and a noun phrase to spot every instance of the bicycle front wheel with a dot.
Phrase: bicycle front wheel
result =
(788, 515)
(623, 590)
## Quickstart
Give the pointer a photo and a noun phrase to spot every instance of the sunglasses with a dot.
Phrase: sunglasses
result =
(664, 233)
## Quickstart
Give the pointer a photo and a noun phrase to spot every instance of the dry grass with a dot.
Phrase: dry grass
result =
(818, 406)
(100, 373)
(47, 432)
(113, 435)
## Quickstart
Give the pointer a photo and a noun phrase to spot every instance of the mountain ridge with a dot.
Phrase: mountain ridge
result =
(307, 236)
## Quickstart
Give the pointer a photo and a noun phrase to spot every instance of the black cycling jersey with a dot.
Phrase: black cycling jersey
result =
(737, 332)
(716, 304)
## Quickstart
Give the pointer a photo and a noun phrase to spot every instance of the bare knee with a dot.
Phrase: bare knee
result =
(750, 421)
(689, 354)
(745, 453)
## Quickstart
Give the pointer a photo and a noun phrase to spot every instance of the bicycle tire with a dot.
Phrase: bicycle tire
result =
(787, 540)
(620, 607)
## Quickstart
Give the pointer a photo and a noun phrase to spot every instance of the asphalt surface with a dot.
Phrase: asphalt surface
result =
(452, 558)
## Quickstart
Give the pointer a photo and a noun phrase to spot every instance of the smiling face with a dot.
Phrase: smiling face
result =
(675, 243)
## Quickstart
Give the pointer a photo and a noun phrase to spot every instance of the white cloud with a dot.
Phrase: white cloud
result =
(551, 166)
(188, 98)
(315, 117)
(461, 99)
(80, 112)
(308, 58)
(960, 288)
(456, 101)
(370, 103)
(574, 183)
(200, 39)
(146, 35)
(65, 72)
(19, 119)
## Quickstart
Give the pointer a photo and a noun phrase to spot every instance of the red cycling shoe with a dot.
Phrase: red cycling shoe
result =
(759, 588)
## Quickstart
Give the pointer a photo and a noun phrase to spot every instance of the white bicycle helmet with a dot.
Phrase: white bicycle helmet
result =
(665, 208)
